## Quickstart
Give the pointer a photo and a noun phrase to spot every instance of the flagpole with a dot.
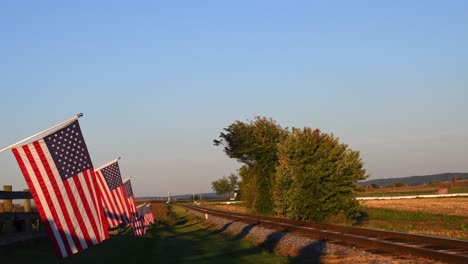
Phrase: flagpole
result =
(108, 163)
(42, 132)
(127, 179)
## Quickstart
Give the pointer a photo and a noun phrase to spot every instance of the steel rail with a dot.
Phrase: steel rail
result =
(447, 250)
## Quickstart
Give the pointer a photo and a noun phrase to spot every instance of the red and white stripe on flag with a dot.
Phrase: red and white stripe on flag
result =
(145, 211)
(138, 226)
(61, 178)
(131, 205)
(149, 218)
(113, 194)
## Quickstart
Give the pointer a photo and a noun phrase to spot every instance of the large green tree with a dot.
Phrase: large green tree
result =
(254, 143)
(316, 176)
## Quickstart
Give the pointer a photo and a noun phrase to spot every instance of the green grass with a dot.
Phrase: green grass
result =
(415, 222)
(182, 239)
(389, 194)
(405, 216)
(458, 190)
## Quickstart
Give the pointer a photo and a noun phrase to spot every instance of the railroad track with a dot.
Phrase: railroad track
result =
(447, 250)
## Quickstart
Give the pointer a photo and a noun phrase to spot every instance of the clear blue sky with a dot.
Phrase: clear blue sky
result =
(159, 80)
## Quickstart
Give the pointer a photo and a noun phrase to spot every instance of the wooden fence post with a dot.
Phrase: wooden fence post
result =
(28, 222)
(27, 209)
(8, 208)
(8, 203)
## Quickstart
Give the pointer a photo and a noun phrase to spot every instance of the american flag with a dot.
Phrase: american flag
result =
(130, 199)
(138, 226)
(147, 213)
(141, 209)
(113, 194)
(149, 218)
(60, 175)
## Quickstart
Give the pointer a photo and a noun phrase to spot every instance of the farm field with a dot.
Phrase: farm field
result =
(444, 217)
(448, 206)
(448, 226)
(178, 238)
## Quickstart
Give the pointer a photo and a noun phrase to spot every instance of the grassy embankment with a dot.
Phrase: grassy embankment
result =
(179, 238)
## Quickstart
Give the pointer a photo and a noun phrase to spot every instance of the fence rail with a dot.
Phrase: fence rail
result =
(16, 223)
(10, 195)
(19, 216)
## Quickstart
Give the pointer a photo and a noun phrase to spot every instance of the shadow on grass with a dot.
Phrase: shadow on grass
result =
(363, 217)
(217, 231)
(191, 232)
(234, 256)
(117, 249)
(187, 225)
(165, 243)
(181, 221)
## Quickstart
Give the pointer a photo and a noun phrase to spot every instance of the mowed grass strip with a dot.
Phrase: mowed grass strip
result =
(179, 239)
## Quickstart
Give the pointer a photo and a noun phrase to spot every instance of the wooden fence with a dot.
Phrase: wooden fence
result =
(18, 223)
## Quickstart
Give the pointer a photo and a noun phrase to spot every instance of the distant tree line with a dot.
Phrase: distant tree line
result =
(300, 173)
(225, 185)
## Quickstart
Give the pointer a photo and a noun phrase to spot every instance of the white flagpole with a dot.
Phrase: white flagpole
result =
(127, 179)
(108, 163)
(42, 132)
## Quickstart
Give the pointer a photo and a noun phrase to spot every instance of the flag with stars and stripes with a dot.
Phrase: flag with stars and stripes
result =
(130, 200)
(138, 226)
(60, 175)
(146, 212)
(113, 194)
(148, 216)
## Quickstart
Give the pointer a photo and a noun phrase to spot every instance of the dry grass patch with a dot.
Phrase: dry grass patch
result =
(447, 206)
(160, 209)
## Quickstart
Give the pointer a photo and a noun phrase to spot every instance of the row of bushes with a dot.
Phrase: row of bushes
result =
(300, 173)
